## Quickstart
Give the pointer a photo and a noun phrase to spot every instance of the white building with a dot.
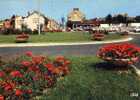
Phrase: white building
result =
(33, 20)
(19, 21)
(136, 25)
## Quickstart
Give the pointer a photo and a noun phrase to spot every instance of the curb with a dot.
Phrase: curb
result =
(63, 44)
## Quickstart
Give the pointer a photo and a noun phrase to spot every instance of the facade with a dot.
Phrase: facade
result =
(75, 17)
(137, 25)
(53, 25)
(33, 20)
(1, 25)
(19, 21)
(7, 24)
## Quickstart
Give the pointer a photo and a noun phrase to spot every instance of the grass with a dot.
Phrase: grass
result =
(85, 82)
(57, 37)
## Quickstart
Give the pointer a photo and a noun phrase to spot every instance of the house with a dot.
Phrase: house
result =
(34, 19)
(1, 25)
(75, 17)
(19, 21)
(53, 25)
(7, 24)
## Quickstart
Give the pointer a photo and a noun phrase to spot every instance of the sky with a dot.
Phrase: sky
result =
(60, 8)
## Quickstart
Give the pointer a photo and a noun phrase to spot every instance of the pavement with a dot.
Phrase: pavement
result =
(11, 51)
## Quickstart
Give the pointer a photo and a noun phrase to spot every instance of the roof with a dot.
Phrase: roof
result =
(76, 11)
(36, 13)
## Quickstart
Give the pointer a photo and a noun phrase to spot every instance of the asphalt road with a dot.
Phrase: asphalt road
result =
(76, 50)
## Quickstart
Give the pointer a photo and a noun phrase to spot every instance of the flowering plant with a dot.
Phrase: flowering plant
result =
(31, 76)
(98, 36)
(22, 37)
(123, 52)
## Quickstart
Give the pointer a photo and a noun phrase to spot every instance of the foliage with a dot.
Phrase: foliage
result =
(31, 76)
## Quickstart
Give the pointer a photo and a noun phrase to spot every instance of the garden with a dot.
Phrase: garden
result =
(56, 37)
(39, 77)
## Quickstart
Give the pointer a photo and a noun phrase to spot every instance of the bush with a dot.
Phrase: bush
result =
(29, 77)
(28, 31)
(35, 32)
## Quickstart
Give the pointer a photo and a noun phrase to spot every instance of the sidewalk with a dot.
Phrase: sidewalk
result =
(63, 44)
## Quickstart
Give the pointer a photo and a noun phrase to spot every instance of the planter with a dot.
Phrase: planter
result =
(22, 38)
(98, 36)
(121, 62)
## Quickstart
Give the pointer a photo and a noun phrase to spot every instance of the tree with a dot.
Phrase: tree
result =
(108, 19)
(137, 18)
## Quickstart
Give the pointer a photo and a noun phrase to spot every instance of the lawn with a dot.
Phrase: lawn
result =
(57, 37)
(86, 82)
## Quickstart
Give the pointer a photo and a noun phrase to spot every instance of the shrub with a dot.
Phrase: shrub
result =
(29, 77)
(124, 53)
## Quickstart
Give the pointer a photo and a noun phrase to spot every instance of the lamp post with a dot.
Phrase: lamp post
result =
(39, 17)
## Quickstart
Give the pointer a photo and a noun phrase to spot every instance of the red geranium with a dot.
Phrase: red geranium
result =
(16, 74)
(2, 74)
(1, 97)
(29, 53)
(18, 92)
(60, 58)
(38, 59)
(126, 51)
(26, 63)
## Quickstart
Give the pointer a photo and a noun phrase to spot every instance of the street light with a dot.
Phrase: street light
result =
(39, 17)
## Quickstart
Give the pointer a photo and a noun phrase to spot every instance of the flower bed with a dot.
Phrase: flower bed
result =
(31, 77)
(22, 37)
(120, 54)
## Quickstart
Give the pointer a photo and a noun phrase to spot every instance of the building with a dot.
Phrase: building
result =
(52, 25)
(19, 21)
(136, 25)
(7, 24)
(75, 17)
(1, 25)
(34, 19)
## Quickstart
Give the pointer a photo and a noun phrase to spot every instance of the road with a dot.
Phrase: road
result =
(75, 50)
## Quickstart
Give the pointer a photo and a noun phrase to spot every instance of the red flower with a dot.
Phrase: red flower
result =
(60, 58)
(119, 51)
(2, 74)
(26, 63)
(50, 66)
(67, 62)
(29, 53)
(29, 91)
(18, 92)
(16, 74)
(1, 97)
(8, 87)
(38, 59)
